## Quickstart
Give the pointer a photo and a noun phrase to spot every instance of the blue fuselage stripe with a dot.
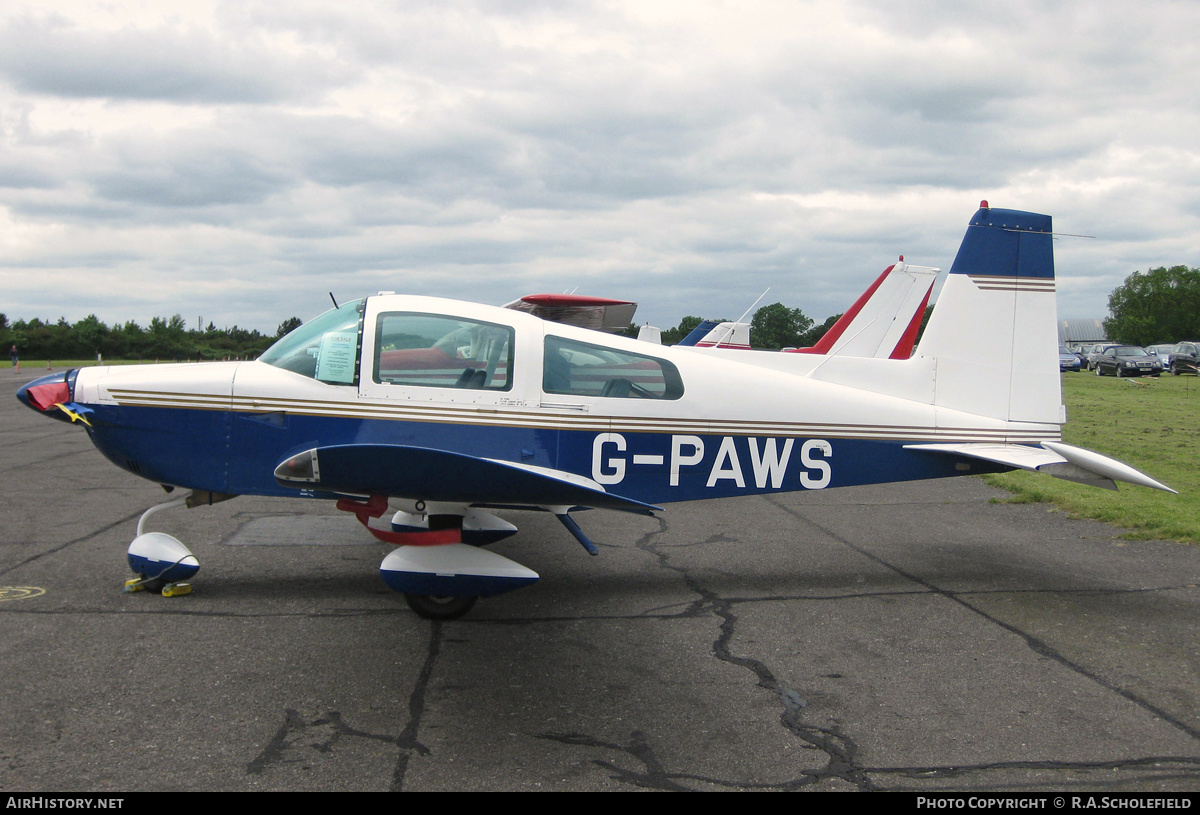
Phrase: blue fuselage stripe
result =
(237, 452)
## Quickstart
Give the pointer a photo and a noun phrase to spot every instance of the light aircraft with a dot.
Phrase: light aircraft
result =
(420, 414)
(883, 322)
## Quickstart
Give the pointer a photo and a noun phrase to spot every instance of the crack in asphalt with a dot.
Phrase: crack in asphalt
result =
(323, 733)
(1036, 644)
(840, 749)
(53, 550)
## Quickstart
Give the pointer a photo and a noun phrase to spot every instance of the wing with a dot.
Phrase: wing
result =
(597, 313)
(439, 475)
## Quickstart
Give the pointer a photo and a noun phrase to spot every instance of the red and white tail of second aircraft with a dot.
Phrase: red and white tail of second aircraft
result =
(884, 322)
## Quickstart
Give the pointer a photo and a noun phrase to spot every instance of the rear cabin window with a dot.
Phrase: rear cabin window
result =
(432, 350)
(582, 369)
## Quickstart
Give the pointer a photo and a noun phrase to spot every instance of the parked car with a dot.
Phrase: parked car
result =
(1163, 351)
(1185, 359)
(1067, 360)
(1127, 360)
(1095, 353)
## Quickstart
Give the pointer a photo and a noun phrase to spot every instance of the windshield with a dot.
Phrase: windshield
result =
(325, 348)
(1131, 351)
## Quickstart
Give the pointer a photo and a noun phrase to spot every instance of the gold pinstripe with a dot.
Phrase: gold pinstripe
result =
(1011, 283)
(494, 417)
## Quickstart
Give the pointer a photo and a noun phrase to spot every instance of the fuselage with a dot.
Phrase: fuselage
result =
(647, 422)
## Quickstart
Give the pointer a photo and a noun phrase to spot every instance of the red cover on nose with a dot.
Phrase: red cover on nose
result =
(44, 397)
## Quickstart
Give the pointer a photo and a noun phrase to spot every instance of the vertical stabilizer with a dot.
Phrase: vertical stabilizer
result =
(884, 321)
(699, 332)
(651, 334)
(993, 336)
(727, 335)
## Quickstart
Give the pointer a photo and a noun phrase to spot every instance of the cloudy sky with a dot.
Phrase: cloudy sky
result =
(235, 162)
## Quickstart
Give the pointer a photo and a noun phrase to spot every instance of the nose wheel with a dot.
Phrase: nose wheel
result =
(439, 607)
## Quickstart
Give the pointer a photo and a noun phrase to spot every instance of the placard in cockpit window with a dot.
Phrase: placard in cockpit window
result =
(335, 359)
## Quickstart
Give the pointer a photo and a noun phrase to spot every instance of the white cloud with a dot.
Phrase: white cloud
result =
(240, 160)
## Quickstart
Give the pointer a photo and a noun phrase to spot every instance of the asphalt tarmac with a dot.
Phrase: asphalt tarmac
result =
(911, 637)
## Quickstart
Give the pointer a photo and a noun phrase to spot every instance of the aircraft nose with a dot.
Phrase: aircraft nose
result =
(44, 393)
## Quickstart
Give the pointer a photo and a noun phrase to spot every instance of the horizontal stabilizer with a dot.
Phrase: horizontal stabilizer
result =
(1053, 458)
(438, 475)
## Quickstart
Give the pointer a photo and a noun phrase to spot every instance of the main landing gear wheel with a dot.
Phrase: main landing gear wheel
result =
(439, 607)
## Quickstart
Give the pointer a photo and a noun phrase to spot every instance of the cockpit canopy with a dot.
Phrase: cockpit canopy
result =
(412, 348)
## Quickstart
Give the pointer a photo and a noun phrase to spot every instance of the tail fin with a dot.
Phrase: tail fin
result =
(727, 335)
(994, 332)
(884, 321)
(699, 332)
(651, 334)
(990, 350)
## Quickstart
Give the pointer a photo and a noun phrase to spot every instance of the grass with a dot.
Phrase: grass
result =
(1151, 424)
(34, 368)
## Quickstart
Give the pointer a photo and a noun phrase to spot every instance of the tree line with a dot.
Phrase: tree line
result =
(163, 340)
(771, 328)
(1157, 306)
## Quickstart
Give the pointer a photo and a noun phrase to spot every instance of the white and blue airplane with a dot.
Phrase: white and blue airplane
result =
(419, 414)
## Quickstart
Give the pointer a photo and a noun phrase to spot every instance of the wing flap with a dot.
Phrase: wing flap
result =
(427, 474)
(1053, 458)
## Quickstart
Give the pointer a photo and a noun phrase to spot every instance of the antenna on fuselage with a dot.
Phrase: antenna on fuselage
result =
(331, 297)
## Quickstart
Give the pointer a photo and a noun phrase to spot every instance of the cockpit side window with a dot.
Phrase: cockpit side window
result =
(583, 369)
(325, 348)
(435, 350)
